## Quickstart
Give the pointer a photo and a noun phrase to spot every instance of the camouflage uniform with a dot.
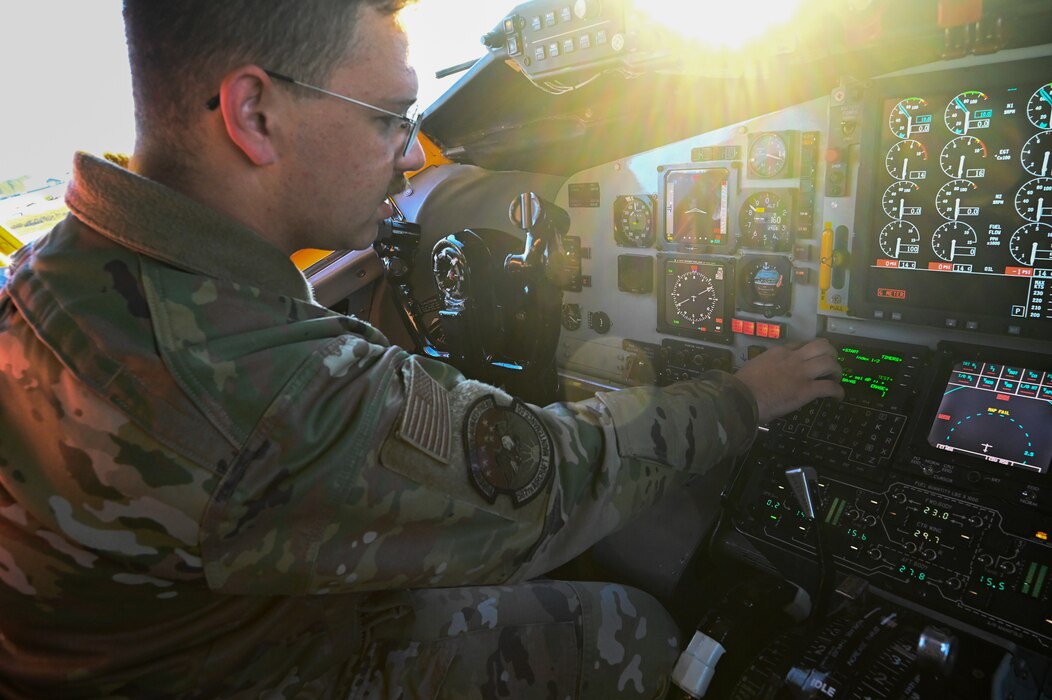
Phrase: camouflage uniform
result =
(212, 486)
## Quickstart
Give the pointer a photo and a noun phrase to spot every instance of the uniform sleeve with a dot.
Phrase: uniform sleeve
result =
(386, 470)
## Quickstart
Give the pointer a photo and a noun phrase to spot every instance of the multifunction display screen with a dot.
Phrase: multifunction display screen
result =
(696, 297)
(961, 202)
(695, 203)
(996, 412)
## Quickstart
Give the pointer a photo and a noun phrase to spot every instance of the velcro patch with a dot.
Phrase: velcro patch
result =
(509, 451)
(426, 422)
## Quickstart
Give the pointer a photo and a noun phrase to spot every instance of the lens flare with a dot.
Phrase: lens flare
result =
(719, 25)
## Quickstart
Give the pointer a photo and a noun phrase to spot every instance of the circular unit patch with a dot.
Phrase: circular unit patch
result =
(508, 450)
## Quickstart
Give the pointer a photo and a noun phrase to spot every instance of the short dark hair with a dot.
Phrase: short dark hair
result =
(180, 50)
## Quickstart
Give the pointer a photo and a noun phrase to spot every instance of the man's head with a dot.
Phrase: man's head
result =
(302, 168)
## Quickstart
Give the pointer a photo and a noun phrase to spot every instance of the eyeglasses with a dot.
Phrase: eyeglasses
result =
(409, 122)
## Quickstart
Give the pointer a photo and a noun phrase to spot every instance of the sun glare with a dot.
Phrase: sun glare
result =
(729, 24)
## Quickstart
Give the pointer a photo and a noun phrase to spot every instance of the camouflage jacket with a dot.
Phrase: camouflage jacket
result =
(203, 472)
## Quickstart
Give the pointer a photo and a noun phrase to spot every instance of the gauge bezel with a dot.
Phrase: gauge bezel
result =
(670, 174)
(788, 201)
(760, 170)
(623, 237)
(748, 301)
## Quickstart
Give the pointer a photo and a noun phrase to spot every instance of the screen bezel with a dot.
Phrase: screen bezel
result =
(947, 355)
(868, 201)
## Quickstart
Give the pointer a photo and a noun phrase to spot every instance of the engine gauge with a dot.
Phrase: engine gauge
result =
(634, 220)
(696, 207)
(968, 111)
(900, 200)
(768, 155)
(696, 297)
(954, 240)
(899, 238)
(1036, 155)
(764, 285)
(906, 160)
(956, 199)
(1039, 108)
(965, 156)
(910, 116)
(1032, 244)
(1033, 201)
(764, 222)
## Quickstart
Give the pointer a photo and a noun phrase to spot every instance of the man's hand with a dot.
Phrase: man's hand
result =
(783, 379)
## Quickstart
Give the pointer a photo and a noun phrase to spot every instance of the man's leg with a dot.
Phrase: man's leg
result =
(542, 639)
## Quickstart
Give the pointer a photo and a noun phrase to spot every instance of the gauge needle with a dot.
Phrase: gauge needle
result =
(957, 209)
(1033, 254)
(909, 120)
(966, 115)
(905, 167)
(1044, 164)
(1040, 207)
(902, 207)
(775, 156)
(898, 247)
(960, 170)
(953, 249)
(1045, 96)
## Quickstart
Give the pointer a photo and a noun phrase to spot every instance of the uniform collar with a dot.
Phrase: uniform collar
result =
(161, 223)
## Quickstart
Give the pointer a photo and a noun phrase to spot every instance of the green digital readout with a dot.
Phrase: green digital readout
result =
(911, 572)
(869, 375)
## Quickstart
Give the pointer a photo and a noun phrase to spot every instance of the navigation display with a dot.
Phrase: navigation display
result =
(996, 412)
(958, 215)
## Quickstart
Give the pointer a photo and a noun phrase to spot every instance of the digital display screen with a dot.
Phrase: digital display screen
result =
(696, 297)
(996, 412)
(696, 207)
(869, 373)
(959, 202)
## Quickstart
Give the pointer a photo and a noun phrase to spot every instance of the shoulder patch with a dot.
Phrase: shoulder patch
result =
(508, 450)
(426, 422)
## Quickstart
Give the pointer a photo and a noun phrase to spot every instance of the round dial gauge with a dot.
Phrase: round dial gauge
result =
(903, 117)
(1033, 201)
(768, 155)
(449, 267)
(957, 199)
(764, 222)
(694, 296)
(1032, 244)
(965, 156)
(765, 286)
(967, 111)
(954, 240)
(634, 221)
(1036, 155)
(1039, 108)
(899, 238)
(571, 319)
(906, 160)
(900, 200)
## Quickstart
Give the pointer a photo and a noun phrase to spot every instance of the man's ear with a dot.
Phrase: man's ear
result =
(246, 100)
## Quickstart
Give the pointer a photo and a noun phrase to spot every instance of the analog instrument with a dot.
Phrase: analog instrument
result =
(956, 199)
(697, 298)
(968, 111)
(1031, 245)
(764, 222)
(906, 160)
(1033, 201)
(764, 285)
(1039, 108)
(571, 319)
(768, 155)
(899, 238)
(1036, 154)
(910, 116)
(965, 156)
(634, 221)
(900, 200)
(954, 240)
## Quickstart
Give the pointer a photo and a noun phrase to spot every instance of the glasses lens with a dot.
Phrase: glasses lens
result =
(414, 130)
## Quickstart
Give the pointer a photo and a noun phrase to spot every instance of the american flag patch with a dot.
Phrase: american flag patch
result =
(425, 416)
